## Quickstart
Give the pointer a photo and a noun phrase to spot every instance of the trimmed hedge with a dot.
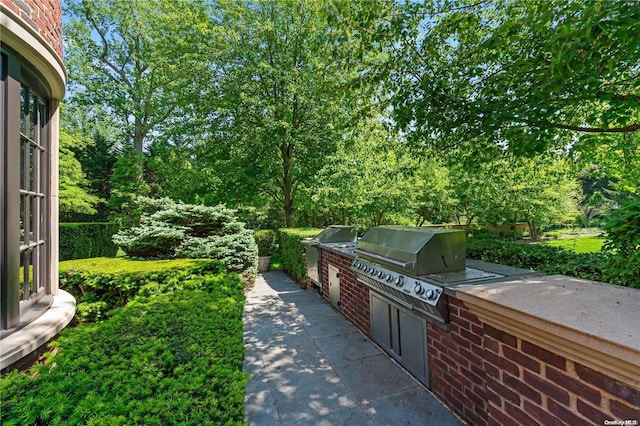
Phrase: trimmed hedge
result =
(102, 284)
(542, 258)
(171, 358)
(294, 258)
(83, 240)
(266, 240)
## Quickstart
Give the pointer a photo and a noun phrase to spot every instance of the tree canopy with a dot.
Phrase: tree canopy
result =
(523, 75)
(145, 61)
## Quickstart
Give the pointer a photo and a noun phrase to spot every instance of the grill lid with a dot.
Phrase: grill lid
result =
(415, 250)
(334, 234)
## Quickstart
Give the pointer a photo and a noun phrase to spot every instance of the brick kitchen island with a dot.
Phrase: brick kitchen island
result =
(539, 350)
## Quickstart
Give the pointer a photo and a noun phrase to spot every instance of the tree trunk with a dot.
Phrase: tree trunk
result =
(286, 149)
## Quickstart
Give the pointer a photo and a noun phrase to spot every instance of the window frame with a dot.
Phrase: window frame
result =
(25, 168)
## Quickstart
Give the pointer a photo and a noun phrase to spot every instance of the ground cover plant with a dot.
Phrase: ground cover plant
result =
(168, 357)
(169, 230)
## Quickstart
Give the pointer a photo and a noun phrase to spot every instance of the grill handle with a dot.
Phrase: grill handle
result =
(405, 265)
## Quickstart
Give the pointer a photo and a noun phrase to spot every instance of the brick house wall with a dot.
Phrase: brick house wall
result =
(44, 16)
(491, 377)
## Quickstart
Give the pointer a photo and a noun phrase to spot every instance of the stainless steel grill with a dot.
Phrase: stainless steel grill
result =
(413, 266)
(331, 234)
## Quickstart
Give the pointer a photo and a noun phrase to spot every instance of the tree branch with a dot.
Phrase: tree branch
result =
(626, 129)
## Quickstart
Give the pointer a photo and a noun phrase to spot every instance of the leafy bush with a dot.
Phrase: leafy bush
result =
(266, 241)
(102, 284)
(85, 240)
(294, 259)
(169, 230)
(173, 358)
(623, 245)
(541, 258)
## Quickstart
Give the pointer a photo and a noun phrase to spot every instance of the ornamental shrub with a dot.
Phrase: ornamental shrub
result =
(623, 245)
(85, 240)
(266, 241)
(168, 359)
(101, 285)
(171, 229)
(294, 258)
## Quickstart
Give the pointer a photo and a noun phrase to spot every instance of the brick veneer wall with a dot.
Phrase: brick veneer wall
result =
(354, 297)
(44, 16)
(490, 377)
(457, 372)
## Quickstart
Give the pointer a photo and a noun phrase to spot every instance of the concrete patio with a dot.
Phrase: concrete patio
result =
(309, 366)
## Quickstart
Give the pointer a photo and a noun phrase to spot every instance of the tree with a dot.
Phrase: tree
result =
(73, 194)
(370, 180)
(146, 61)
(281, 111)
(517, 74)
(127, 186)
(97, 153)
(541, 191)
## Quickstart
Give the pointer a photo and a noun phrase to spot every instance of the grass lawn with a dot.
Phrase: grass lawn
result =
(586, 244)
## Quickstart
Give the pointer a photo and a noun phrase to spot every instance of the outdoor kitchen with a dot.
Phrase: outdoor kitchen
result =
(494, 343)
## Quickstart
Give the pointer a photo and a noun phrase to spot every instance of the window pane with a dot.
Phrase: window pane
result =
(24, 110)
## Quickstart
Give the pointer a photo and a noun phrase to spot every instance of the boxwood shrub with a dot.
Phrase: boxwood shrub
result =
(266, 239)
(102, 284)
(85, 240)
(294, 258)
(166, 359)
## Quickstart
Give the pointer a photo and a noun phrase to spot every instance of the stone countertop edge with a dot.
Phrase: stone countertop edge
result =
(578, 318)
(340, 249)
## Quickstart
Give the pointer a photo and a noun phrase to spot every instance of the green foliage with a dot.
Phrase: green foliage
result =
(84, 240)
(266, 240)
(283, 102)
(148, 62)
(73, 194)
(542, 258)
(526, 75)
(168, 230)
(587, 244)
(102, 284)
(127, 186)
(170, 358)
(294, 259)
(623, 244)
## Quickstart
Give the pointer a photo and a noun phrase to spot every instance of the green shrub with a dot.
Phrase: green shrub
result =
(294, 259)
(170, 230)
(542, 258)
(266, 241)
(85, 240)
(174, 358)
(103, 284)
(623, 245)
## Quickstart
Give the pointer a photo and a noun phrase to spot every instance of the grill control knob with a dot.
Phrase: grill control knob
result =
(399, 281)
(373, 271)
(366, 269)
(418, 289)
(430, 294)
(380, 274)
(389, 278)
